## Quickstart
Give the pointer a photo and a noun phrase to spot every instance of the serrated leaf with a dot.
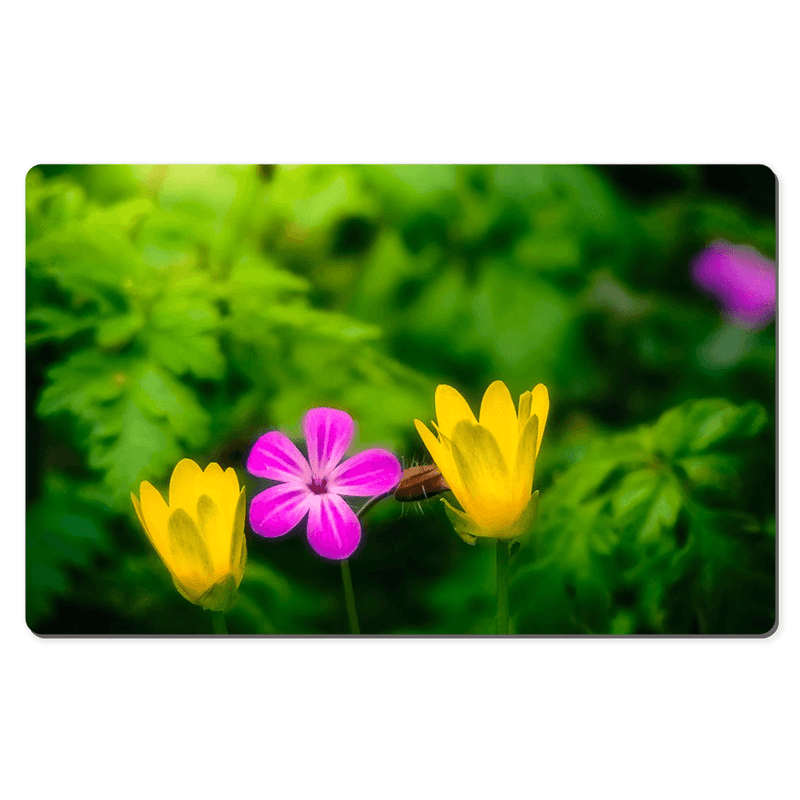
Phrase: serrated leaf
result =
(181, 335)
(143, 449)
(64, 536)
(53, 323)
(118, 331)
(727, 583)
(133, 420)
(712, 471)
(646, 503)
(701, 425)
(257, 280)
(85, 261)
(80, 384)
(323, 324)
(199, 354)
(604, 464)
(162, 396)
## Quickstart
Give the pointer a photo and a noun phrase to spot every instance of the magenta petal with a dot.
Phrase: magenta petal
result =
(366, 474)
(278, 509)
(333, 528)
(742, 280)
(275, 456)
(328, 435)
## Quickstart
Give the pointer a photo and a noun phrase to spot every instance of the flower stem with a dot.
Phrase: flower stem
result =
(502, 586)
(349, 597)
(373, 501)
(218, 622)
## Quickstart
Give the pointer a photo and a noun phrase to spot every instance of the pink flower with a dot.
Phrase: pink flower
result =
(315, 487)
(741, 279)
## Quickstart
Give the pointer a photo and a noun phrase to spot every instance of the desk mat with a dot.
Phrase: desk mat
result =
(401, 400)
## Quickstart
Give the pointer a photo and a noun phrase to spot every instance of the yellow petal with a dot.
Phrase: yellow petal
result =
(451, 408)
(222, 486)
(223, 489)
(526, 521)
(232, 484)
(232, 489)
(443, 458)
(154, 514)
(238, 542)
(524, 411)
(190, 560)
(500, 417)
(540, 406)
(214, 483)
(484, 473)
(526, 462)
(137, 507)
(185, 486)
(216, 529)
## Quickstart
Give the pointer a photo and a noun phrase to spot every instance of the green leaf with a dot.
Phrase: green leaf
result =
(714, 471)
(50, 204)
(81, 383)
(326, 325)
(89, 263)
(118, 331)
(647, 503)
(64, 536)
(313, 197)
(727, 579)
(132, 416)
(160, 395)
(701, 425)
(53, 323)
(181, 335)
(142, 449)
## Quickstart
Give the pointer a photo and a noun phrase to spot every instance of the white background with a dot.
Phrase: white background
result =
(613, 82)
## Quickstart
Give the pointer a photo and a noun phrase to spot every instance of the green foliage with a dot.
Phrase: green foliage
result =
(183, 310)
(625, 528)
(162, 296)
(66, 533)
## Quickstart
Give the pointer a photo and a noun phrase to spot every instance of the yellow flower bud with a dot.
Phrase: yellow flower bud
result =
(199, 535)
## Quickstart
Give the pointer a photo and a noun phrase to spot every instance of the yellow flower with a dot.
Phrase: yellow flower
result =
(200, 534)
(489, 463)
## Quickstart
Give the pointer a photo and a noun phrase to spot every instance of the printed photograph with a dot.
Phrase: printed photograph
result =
(405, 400)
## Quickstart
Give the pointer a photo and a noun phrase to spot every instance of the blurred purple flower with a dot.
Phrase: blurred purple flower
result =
(741, 279)
(314, 487)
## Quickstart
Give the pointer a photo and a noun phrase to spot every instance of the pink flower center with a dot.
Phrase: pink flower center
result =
(319, 486)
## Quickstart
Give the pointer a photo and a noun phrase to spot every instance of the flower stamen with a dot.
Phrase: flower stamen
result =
(318, 486)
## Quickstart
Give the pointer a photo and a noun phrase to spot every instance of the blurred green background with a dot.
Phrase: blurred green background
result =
(184, 310)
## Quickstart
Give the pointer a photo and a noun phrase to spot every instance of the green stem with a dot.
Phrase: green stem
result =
(502, 586)
(347, 581)
(373, 501)
(218, 623)
(349, 597)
